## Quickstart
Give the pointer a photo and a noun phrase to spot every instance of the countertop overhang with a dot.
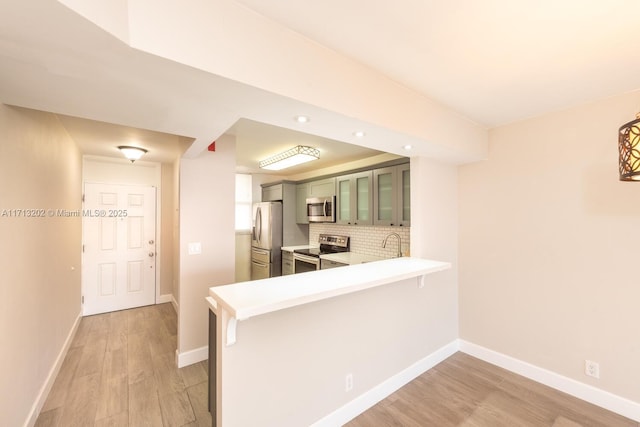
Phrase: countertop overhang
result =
(249, 299)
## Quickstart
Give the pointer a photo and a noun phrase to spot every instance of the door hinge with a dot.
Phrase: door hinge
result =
(83, 198)
(82, 248)
(83, 299)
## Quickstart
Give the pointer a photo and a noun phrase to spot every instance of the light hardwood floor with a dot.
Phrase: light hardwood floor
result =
(464, 391)
(120, 371)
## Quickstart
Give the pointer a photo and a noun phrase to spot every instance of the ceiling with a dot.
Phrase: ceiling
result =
(257, 141)
(494, 62)
(254, 142)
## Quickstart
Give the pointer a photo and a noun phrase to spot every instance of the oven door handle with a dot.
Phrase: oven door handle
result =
(305, 258)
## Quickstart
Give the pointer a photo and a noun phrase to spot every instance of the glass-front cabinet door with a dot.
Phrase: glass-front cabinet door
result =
(355, 198)
(362, 203)
(385, 199)
(343, 196)
(404, 194)
(392, 196)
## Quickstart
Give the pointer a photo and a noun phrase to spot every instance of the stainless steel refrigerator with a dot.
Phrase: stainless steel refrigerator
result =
(266, 240)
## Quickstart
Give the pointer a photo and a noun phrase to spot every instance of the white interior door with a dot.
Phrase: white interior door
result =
(119, 254)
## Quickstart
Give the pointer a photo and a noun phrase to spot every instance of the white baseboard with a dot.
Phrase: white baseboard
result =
(51, 378)
(192, 356)
(164, 298)
(379, 392)
(586, 392)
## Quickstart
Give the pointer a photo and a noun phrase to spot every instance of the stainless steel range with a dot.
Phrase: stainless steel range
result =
(309, 259)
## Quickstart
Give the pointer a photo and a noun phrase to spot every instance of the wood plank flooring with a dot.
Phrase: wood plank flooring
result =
(120, 371)
(467, 392)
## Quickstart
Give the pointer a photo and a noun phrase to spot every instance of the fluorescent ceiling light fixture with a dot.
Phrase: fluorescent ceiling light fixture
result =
(295, 156)
(132, 153)
(302, 119)
(359, 134)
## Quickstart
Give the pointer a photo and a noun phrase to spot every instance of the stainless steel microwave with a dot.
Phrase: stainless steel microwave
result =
(321, 209)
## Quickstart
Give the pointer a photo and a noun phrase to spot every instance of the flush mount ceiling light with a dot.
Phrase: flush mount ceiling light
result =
(295, 156)
(302, 119)
(359, 134)
(132, 153)
(629, 150)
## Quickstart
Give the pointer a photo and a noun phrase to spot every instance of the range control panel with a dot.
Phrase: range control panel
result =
(328, 239)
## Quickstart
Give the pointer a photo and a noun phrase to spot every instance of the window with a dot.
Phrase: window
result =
(243, 202)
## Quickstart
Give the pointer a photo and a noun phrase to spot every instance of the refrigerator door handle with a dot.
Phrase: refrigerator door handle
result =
(259, 224)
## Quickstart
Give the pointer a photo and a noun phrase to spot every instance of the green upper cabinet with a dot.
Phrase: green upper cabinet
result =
(392, 196)
(404, 195)
(302, 191)
(307, 190)
(355, 198)
(322, 188)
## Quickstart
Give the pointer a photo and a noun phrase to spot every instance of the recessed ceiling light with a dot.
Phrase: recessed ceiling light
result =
(407, 147)
(359, 134)
(302, 119)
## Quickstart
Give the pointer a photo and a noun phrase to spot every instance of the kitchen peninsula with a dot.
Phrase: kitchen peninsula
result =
(298, 338)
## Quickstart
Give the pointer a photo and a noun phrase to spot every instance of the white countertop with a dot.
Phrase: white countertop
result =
(351, 258)
(293, 248)
(247, 299)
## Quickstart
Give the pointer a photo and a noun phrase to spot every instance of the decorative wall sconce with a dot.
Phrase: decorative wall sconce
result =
(629, 150)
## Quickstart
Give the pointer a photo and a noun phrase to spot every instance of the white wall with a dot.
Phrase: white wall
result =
(549, 246)
(40, 168)
(207, 216)
(120, 171)
(176, 233)
(243, 256)
(434, 234)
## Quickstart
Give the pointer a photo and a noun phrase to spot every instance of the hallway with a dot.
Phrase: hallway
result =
(120, 371)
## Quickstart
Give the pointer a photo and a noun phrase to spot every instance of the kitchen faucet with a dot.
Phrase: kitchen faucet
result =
(384, 243)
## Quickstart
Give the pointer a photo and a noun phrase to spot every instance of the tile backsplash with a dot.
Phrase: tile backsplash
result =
(364, 239)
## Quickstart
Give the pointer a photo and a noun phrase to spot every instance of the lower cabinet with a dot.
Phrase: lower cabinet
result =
(325, 264)
(287, 263)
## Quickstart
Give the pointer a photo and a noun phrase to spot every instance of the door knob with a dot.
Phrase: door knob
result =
(151, 254)
(151, 242)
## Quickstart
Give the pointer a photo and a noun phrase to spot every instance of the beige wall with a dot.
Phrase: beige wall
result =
(549, 246)
(40, 168)
(165, 234)
(176, 231)
(288, 368)
(207, 216)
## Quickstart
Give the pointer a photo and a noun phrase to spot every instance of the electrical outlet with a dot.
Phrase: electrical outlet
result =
(592, 368)
(348, 382)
